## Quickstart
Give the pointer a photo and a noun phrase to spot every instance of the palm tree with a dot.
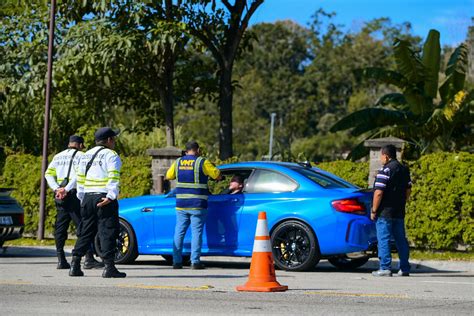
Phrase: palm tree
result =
(416, 113)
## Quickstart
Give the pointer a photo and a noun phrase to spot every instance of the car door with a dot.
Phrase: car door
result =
(266, 190)
(164, 223)
(221, 231)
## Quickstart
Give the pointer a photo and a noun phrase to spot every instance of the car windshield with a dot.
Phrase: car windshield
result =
(323, 180)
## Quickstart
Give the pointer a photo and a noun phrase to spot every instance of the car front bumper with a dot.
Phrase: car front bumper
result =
(10, 232)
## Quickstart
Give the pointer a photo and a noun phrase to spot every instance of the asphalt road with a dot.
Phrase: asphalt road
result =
(30, 285)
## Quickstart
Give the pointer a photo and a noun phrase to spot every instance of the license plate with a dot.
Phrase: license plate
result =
(6, 220)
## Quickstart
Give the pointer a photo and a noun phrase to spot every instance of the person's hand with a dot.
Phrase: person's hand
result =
(373, 215)
(104, 202)
(60, 193)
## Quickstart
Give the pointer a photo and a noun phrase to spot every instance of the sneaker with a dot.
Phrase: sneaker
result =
(198, 266)
(177, 266)
(401, 273)
(382, 273)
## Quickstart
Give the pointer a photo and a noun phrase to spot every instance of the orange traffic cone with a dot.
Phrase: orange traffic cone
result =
(262, 272)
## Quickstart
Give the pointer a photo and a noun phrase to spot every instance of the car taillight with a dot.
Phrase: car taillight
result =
(21, 219)
(349, 206)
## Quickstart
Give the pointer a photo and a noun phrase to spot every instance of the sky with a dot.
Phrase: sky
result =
(450, 17)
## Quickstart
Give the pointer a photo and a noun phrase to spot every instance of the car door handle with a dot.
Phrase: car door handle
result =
(147, 210)
(234, 200)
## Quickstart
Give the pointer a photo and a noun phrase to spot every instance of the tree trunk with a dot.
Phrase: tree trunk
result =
(225, 111)
(167, 94)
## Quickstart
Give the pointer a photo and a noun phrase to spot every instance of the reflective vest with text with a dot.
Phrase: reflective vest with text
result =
(191, 183)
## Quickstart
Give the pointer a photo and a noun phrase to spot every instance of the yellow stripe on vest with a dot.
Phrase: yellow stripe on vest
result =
(191, 196)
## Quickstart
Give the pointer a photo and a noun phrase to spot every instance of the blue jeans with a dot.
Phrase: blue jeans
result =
(387, 228)
(184, 218)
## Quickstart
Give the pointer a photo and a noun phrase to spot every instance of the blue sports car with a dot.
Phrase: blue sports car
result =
(312, 214)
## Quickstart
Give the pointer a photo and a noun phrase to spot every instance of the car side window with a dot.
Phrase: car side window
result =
(222, 187)
(267, 181)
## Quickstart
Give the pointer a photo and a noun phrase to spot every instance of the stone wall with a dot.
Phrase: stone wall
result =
(162, 159)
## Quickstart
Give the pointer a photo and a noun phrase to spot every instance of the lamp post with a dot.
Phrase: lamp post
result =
(47, 109)
(270, 145)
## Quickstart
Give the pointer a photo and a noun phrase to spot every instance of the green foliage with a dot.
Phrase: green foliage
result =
(23, 173)
(356, 173)
(135, 176)
(137, 143)
(440, 213)
(416, 114)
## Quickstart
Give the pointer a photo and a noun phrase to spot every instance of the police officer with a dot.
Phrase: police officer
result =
(62, 179)
(98, 189)
(392, 189)
(192, 173)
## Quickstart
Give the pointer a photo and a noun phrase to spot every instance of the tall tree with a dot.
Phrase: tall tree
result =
(414, 114)
(150, 34)
(221, 30)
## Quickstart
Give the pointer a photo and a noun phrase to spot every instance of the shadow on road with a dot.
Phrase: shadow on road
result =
(210, 262)
(22, 252)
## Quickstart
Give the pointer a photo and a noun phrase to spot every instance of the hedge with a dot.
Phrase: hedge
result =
(23, 173)
(357, 173)
(440, 211)
(439, 214)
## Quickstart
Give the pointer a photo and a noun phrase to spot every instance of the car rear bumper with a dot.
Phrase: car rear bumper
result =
(10, 232)
(361, 234)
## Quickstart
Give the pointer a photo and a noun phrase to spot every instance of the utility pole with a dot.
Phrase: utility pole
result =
(270, 145)
(47, 109)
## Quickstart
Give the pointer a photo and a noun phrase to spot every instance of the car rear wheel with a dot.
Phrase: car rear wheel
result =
(127, 249)
(345, 262)
(295, 247)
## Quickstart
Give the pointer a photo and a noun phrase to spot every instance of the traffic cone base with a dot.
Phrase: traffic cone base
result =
(262, 276)
(263, 288)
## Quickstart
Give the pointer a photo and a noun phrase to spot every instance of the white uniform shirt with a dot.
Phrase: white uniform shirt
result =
(103, 175)
(59, 166)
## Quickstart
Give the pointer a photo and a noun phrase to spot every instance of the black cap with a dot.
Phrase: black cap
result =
(105, 132)
(192, 145)
(76, 139)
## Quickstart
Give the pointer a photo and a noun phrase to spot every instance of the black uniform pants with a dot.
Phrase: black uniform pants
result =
(102, 220)
(68, 209)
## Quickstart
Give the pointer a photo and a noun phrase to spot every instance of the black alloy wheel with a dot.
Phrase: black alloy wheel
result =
(348, 262)
(127, 249)
(295, 247)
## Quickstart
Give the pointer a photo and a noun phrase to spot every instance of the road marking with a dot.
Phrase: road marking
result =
(166, 287)
(447, 282)
(14, 282)
(357, 294)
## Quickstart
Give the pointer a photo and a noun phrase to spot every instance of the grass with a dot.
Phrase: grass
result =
(414, 254)
(25, 241)
(442, 255)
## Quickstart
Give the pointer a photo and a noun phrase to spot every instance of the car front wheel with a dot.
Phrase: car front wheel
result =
(295, 247)
(127, 249)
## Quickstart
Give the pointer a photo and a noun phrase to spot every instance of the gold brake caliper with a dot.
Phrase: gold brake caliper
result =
(283, 251)
(125, 243)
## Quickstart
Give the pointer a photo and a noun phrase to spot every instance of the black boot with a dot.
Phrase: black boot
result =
(91, 263)
(111, 271)
(62, 262)
(76, 267)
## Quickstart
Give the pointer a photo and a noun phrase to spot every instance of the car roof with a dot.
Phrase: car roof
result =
(261, 164)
